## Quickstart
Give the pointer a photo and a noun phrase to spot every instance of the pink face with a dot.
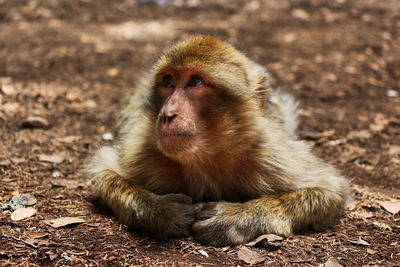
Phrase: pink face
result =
(184, 94)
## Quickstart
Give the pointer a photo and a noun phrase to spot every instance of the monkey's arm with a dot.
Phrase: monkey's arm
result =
(162, 216)
(224, 223)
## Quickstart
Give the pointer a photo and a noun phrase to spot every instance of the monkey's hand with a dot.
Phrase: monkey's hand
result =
(170, 215)
(224, 223)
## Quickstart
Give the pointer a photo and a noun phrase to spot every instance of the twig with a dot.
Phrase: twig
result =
(20, 240)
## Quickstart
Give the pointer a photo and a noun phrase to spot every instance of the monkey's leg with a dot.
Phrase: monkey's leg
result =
(224, 223)
(163, 216)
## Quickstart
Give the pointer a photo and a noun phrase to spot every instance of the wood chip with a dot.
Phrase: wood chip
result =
(250, 256)
(35, 122)
(22, 213)
(51, 158)
(371, 251)
(63, 221)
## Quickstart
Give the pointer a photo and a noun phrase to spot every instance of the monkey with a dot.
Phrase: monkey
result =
(204, 146)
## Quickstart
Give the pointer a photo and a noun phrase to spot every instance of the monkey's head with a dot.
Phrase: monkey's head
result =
(204, 99)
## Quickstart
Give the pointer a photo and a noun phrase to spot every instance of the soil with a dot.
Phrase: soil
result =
(71, 63)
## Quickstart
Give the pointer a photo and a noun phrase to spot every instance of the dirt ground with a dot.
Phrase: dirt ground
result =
(71, 63)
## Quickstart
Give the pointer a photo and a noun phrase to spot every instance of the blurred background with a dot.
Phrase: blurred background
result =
(65, 66)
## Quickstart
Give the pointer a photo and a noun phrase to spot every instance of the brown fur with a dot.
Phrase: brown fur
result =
(248, 170)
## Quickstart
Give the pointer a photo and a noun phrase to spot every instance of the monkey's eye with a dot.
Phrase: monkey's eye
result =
(168, 82)
(195, 81)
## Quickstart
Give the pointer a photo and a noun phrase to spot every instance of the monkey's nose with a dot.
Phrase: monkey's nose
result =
(168, 118)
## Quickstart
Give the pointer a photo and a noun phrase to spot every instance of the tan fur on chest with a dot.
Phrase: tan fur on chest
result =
(226, 179)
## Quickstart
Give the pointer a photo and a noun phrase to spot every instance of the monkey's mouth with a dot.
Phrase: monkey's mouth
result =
(173, 142)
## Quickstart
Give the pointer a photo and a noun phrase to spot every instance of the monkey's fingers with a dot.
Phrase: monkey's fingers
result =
(207, 210)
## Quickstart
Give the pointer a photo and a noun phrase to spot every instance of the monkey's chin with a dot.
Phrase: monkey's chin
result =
(177, 144)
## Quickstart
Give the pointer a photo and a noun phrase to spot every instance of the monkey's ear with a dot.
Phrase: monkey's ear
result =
(262, 91)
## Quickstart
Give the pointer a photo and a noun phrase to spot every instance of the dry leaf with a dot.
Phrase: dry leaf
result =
(352, 153)
(371, 251)
(332, 262)
(5, 162)
(37, 242)
(8, 89)
(22, 213)
(53, 159)
(250, 256)
(51, 255)
(350, 205)
(63, 221)
(18, 160)
(35, 122)
(376, 127)
(392, 206)
(300, 14)
(380, 119)
(267, 237)
(90, 103)
(361, 242)
(10, 107)
(362, 214)
(382, 226)
(359, 134)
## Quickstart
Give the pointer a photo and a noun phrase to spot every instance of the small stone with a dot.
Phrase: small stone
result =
(392, 93)
(108, 136)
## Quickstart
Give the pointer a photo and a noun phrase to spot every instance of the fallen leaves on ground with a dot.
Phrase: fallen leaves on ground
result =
(332, 262)
(267, 238)
(63, 221)
(22, 213)
(392, 206)
(250, 256)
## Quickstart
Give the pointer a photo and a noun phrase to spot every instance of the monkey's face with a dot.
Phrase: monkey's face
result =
(184, 98)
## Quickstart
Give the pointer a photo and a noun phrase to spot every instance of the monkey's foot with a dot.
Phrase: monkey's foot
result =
(222, 224)
(172, 217)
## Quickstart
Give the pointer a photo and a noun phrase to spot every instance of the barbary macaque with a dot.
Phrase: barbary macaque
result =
(205, 146)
